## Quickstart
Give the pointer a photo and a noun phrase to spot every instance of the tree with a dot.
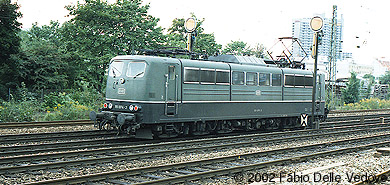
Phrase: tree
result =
(204, 42)
(385, 79)
(237, 48)
(351, 93)
(242, 48)
(99, 31)
(9, 43)
(259, 51)
(41, 61)
(368, 81)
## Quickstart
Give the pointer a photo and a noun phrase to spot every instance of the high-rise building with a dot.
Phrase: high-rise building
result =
(301, 30)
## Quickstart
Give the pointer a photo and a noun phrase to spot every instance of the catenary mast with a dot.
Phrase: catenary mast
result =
(331, 90)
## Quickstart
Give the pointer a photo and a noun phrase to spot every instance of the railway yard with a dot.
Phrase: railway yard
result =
(343, 150)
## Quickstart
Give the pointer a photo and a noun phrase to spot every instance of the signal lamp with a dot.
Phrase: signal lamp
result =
(136, 108)
(316, 23)
(190, 24)
(110, 105)
(105, 105)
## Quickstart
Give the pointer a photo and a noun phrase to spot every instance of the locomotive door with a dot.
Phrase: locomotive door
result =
(171, 90)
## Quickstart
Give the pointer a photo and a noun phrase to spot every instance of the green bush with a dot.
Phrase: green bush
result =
(20, 111)
(68, 111)
(367, 104)
(54, 98)
(91, 99)
(72, 106)
(56, 106)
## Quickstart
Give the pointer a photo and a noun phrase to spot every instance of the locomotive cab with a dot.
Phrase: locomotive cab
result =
(138, 85)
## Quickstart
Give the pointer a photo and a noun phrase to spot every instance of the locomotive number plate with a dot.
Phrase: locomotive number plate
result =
(121, 107)
(121, 91)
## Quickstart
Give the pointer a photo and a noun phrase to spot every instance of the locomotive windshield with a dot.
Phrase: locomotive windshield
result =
(116, 68)
(136, 69)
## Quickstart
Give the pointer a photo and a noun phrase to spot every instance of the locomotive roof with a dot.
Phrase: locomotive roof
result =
(238, 59)
(232, 59)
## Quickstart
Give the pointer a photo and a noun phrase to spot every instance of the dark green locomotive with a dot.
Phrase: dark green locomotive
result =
(150, 96)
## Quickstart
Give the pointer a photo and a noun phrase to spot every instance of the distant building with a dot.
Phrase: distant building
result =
(301, 30)
(345, 67)
(345, 55)
(381, 65)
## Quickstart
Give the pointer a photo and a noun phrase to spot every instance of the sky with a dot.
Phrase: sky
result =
(253, 21)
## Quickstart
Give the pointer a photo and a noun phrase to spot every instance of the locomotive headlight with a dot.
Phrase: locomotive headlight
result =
(134, 108)
(131, 107)
(105, 105)
(110, 105)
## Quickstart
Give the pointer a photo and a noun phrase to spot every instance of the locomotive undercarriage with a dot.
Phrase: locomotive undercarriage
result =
(122, 122)
(128, 123)
(169, 130)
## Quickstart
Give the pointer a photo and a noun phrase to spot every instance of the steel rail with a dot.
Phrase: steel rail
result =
(240, 169)
(379, 178)
(89, 122)
(45, 123)
(105, 151)
(351, 117)
(96, 143)
(63, 146)
(350, 122)
(30, 149)
(143, 170)
(357, 111)
(38, 137)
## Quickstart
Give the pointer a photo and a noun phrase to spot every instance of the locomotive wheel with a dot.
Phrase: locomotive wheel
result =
(273, 124)
(224, 127)
(250, 125)
(199, 128)
(178, 128)
(212, 126)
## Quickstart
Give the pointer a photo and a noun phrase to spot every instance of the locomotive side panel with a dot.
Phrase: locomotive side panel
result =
(205, 81)
(255, 83)
(208, 111)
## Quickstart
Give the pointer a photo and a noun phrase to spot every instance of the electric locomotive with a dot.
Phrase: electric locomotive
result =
(153, 96)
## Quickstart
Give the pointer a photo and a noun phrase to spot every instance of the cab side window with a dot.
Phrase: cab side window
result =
(251, 78)
(276, 79)
(207, 76)
(264, 79)
(191, 75)
(238, 78)
(222, 77)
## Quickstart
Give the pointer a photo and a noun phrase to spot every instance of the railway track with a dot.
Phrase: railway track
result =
(161, 148)
(353, 122)
(108, 155)
(186, 171)
(96, 139)
(352, 117)
(53, 137)
(45, 123)
(90, 134)
(58, 155)
(357, 111)
(89, 122)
